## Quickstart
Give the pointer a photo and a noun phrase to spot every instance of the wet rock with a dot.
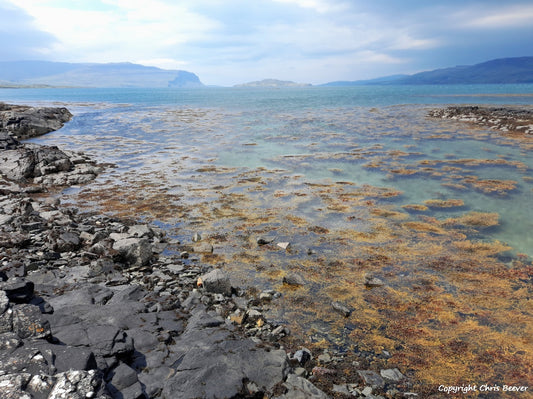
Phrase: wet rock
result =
(25, 122)
(294, 279)
(342, 309)
(300, 388)
(371, 378)
(217, 281)
(264, 240)
(372, 282)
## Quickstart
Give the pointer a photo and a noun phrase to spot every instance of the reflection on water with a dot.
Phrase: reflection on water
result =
(436, 210)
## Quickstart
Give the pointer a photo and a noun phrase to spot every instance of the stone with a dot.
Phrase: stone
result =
(283, 245)
(29, 322)
(371, 378)
(392, 375)
(294, 279)
(301, 388)
(76, 384)
(203, 248)
(341, 308)
(4, 302)
(123, 376)
(134, 251)
(18, 290)
(217, 281)
(302, 356)
(140, 230)
(372, 282)
(264, 240)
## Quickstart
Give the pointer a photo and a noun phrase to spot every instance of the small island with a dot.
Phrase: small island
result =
(273, 83)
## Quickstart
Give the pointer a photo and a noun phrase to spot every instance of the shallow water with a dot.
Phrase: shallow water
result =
(361, 186)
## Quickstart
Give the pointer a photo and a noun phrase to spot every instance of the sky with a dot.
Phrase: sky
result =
(227, 42)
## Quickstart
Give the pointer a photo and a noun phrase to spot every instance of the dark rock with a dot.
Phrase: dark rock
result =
(28, 322)
(17, 290)
(371, 378)
(134, 251)
(216, 281)
(303, 356)
(294, 279)
(25, 122)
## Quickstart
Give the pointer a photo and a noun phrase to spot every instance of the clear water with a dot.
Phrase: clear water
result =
(331, 170)
(318, 133)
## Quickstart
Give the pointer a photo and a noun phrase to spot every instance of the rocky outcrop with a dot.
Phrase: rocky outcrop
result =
(46, 165)
(24, 122)
(505, 119)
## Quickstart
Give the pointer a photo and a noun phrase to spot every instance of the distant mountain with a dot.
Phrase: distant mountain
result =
(503, 70)
(380, 81)
(273, 83)
(93, 75)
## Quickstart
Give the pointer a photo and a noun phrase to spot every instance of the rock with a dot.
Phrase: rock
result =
(196, 237)
(140, 230)
(134, 251)
(371, 378)
(25, 122)
(217, 281)
(203, 248)
(4, 302)
(18, 290)
(300, 388)
(302, 356)
(324, 358)
(294, 279)
(342, 309)
(283, 245)
(123, 377)
(76, 384)
(392, 375)
(12, 385)
(264, 240)
(373, 282)
(28, 322)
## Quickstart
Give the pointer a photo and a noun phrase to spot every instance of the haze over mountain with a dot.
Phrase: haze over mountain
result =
(93, 75)
(503, 70)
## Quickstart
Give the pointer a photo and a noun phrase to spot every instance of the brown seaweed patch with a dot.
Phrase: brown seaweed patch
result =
(475, 219)
(484, 248)
(449, 203)
(425, 227)
(415, 207)
(389, 213)
(455, 186)
(491, 186)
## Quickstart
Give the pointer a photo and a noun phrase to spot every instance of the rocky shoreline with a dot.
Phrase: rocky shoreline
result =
(95, 307)
(504, 119)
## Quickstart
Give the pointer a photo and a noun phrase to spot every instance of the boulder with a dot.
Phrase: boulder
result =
(134, 251)
(217, 281)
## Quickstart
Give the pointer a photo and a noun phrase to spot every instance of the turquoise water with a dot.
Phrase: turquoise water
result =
(315, 134)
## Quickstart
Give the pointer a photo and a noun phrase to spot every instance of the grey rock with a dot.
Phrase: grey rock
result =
(302, 356)
(392, 375)
(24, 122)
(205, 248)
(13, 385)
(217, 281)
(123, 376)
(294, 279)
(135, 251)
(300, 388)
(4, 302)
(371, 378)
(342, 309)
(140, 230)
(29, 322)
(18, 290)
(372, 282)
(76, 384)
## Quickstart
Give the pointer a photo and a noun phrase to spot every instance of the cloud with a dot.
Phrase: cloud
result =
(21, 38)
(500, 17)
(235, 40)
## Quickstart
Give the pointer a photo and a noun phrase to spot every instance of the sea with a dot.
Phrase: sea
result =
(360, 183)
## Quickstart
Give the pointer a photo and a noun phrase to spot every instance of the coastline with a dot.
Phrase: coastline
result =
(91, 306)
(161, 271)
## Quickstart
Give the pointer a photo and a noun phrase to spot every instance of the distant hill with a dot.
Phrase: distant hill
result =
(503, 70)
(273, 83)
(93, 75)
